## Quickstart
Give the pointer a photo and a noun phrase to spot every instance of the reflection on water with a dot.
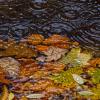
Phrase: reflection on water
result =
(80, 19)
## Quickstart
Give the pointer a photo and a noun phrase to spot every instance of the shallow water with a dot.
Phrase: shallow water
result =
(79, 19)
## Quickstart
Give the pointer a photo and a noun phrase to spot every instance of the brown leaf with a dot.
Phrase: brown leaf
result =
(95, 62)
(62, 45)
(10, 66)
(41, 47)
(5, 93)
(56, 39)
(2, 77)
(42, 85)
(53, 66)
(23, 98)
(54, 89)
(18, 50)
(28, 69)
(35, 39)
(54, 53)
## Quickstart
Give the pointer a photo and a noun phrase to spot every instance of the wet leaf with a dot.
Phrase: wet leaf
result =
(28, 68)
(96, 91)
(10, 66)
(11, 96)
(35, 39)
(54, 53)
(20, 50)
(78, 79)
(42, 48)
(5, 94)
(23, 98)
(65, 77)
(76, 58)
(86, 93)
(70, 57)
(95, 62)
(2, 77)
(35, 96)
(56, 39)
(95, 76)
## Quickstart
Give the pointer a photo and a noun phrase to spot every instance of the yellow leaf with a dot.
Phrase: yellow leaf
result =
(5, 94)
(11, 96)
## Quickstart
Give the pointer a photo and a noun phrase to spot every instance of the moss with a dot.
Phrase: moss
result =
(65, 77)
(95, 76)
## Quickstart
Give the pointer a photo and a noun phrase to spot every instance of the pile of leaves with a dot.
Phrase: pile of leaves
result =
(53, 68)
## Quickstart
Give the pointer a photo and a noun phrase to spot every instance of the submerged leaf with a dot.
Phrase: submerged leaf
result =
(35, 96)
(76, 58)
(86, 93)
(78, 79)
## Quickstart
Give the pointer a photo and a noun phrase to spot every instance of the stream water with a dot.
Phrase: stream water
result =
(79, 19)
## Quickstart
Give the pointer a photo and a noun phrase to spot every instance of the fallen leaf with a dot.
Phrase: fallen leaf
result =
(56, 39)
(10, 66)
(95, 76)
(41, 58)
(20, 50)
(86, 93)
(42, 48)
(54, 53)
(23, 98)
(5, 93)
(35, 39)
(2, 77)
(28, 68)
(35, 96)
(95, 62)
(78, 79)
(76, 58)
(11, 96)
(65, 77)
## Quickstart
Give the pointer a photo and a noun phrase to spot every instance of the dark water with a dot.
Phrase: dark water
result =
(79, 19)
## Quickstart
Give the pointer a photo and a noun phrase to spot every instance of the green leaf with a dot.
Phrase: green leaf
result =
(86, 93)
(71, 56)
(76, 58)
(11, 96)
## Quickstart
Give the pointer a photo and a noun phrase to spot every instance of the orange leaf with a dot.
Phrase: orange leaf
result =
(62, 45)
(94, 62)
(35, 39)
(55, 39)
(41, 47)
(2, 77)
